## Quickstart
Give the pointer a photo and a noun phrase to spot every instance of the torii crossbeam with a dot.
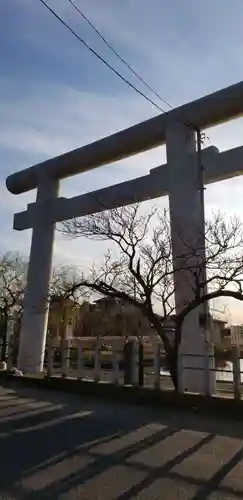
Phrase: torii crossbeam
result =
(178, 178)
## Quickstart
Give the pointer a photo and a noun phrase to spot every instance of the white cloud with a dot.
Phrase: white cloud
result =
(56, 118)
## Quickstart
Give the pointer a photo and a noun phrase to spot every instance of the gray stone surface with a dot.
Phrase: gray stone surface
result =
(56, 446)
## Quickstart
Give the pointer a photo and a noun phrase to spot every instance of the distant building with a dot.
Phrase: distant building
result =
(221, 335)
(62, 318)
(237, 335)
(113, 317)
(129, 320)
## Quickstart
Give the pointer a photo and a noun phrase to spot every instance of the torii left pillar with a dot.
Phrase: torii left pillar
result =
(36, 301)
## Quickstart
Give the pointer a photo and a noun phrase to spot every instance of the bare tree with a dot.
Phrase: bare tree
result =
(111, 319)
(142, 273)
(13, 278)
(13, 270)
(93, 322)
(63, 279)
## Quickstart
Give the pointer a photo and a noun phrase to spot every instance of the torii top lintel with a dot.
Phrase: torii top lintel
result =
(207, 111)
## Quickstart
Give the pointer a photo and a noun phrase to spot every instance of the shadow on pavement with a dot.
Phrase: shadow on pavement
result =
(60, 447)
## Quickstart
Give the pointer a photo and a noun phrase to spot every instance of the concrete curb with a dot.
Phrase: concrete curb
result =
(222, 407)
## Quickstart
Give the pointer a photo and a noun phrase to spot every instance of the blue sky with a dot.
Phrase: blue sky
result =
(55, 96)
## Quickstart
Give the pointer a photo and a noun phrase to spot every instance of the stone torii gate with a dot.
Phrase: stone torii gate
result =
(178, 178)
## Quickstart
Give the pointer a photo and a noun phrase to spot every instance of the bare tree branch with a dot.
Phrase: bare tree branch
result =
(143, 273)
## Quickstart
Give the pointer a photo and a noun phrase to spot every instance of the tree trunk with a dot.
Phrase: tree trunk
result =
(127, 362)
(172, 355)
(172, 365)
(4, 337)
(140, 364)
(171, 348)
(171, 345)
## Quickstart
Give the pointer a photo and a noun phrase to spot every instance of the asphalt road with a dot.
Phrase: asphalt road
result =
(55, 446)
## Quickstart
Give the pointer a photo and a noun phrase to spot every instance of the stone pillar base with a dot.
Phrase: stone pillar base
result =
(197, 371)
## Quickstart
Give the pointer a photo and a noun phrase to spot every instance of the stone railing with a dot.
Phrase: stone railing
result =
(131, 362)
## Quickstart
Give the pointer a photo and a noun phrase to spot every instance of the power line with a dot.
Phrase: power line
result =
(133, 87)
(100, 57)
(112, 48)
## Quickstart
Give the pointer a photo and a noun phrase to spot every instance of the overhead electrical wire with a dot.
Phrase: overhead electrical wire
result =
(112, 48)
(198, 133)
(85, 44)
(100, 57)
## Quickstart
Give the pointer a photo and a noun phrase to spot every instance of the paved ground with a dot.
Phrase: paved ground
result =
(54, 446)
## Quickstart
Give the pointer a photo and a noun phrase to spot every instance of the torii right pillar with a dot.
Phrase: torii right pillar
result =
(196, 360)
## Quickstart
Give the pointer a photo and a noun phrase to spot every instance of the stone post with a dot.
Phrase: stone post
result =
(115, 364)
(97, 362)
(156, 352)
(236, 372)
(80, 366)
(50, 357)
